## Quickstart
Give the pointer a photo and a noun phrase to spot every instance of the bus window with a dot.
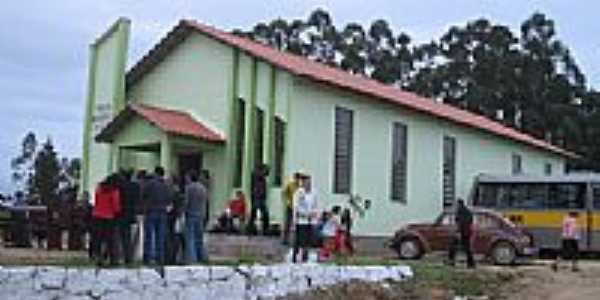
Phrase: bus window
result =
(487, 196)
(566, 196)
(503, 196)
(596, 195)
(536, 196)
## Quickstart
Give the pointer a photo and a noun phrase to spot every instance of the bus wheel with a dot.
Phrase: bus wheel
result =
(410, 248)
(503, 253)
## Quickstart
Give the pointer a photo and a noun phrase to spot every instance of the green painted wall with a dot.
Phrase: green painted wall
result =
(312, 144)
(196, 78)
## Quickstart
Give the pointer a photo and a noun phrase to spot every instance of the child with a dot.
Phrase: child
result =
(331, 233)
(570, 241)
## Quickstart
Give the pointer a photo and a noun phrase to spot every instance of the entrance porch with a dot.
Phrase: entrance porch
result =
(142, 137)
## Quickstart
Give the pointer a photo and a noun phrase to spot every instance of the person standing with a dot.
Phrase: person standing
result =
(305, 217)
(158, 198)
(138, 252)
(347, 222)
(106, 209)
(175, 240)
(195, 204)
(287, 196)
(570, 241)
(130, 194)
(259, 198)
(462, 237)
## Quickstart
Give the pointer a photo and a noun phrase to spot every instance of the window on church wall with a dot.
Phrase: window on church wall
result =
(279, 151)
(449, 171)
(399, 163)
(259, 136)
(343, 152)
(239, 142)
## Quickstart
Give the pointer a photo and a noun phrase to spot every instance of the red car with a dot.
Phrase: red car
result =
(494, 236)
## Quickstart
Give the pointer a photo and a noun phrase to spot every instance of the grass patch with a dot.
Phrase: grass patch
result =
(460, 281)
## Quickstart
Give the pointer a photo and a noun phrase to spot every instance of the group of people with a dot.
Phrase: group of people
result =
(328, 230)
(169, 214)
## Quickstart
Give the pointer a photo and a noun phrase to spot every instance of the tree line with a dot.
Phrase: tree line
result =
(528, 80)
(40, 174)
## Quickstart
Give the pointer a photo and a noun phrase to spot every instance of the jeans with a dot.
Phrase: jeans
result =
(464, 241)
(104, 245)
(194, 239)
(264, 215)
(155, 230)
(287, 224)
(125, 235)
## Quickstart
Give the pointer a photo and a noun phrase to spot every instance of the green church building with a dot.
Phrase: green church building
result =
(205, 99)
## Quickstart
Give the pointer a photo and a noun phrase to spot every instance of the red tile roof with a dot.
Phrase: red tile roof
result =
(304, 67)
(170, 121)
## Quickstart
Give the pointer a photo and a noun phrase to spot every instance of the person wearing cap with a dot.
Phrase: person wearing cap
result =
(287, 197)
(306, 216)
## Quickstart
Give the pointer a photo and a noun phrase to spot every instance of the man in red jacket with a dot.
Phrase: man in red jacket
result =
(107, 207)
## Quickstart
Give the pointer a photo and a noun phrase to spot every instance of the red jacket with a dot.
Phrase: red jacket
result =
(238, 207)
(107, 203)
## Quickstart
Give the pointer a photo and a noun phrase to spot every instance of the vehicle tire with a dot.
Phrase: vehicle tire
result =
(409, 248)
(503, 253)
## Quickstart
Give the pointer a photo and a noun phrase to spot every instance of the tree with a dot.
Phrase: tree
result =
(47, 171)
(22, 165)
(70, 171)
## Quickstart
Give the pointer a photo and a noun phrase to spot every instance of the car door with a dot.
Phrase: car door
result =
(485, 227)
(441, 232)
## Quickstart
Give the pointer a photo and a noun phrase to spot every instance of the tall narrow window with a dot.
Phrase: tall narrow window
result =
(449, 171)
(239, 142)
(342, 170)
(279, 151)
(517, 167)
(258, 137)
(548, 169)
(398, 190)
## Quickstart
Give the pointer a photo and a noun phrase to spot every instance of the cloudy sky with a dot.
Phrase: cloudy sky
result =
(44, 45)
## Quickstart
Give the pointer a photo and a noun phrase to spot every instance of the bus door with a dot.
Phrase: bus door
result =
(571, 197)
(594, 217)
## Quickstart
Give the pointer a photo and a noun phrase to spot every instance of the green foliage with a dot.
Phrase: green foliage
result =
(528, 80)
(40, 173)
(46, 176)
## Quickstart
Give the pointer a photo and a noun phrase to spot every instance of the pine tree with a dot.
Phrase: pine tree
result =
(46, 176)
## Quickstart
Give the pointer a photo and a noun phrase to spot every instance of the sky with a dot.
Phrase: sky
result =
(44, 45)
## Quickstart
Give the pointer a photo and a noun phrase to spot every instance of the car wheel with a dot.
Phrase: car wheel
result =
(504, 253)
(410, 248)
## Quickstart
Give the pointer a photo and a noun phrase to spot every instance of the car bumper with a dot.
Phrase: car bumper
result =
(529, 252)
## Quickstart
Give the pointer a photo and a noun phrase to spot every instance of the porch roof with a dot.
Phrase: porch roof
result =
(168, 120)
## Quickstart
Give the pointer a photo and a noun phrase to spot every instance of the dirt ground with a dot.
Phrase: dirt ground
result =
(532, 282)
(21, 256)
